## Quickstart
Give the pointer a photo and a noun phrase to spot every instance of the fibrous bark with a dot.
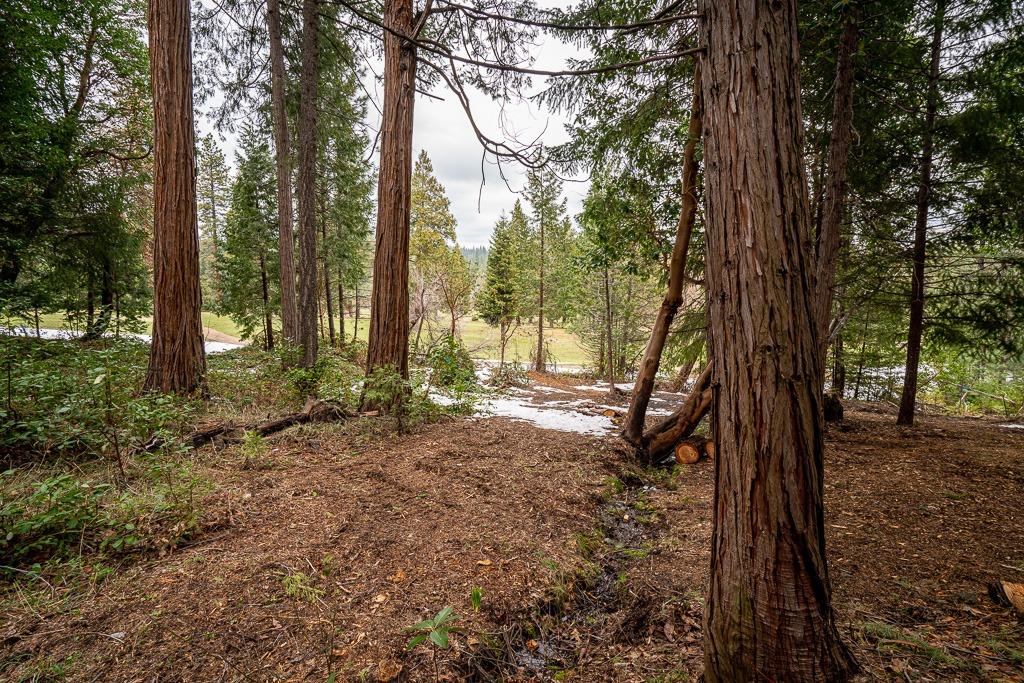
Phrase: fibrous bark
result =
(282, 152)
(389, 303)
(643, 387)
(835, 184)
(176, 361)
(908, 400)
(768, 615)
(309, 298)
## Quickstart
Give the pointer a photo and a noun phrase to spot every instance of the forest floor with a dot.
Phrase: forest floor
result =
(315, 555)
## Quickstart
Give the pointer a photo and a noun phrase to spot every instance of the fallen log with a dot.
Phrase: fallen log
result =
(314, 411)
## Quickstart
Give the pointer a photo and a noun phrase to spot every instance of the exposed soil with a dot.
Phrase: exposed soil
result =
(316, 557)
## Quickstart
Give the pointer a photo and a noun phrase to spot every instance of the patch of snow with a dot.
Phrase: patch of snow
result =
(1013, 425)
(546, 418)
(211, 346)
(603, 386)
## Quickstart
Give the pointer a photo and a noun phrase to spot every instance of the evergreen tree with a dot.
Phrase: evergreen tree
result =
(248, 266)
(500, 300)
(213, 191)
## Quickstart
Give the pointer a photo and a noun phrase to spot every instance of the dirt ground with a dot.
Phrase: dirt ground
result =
(316, 556)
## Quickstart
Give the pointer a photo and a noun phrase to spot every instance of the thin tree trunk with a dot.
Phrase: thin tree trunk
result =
(341, 312)
(540, 365)
(503, 334)
(908, 400)
(308, 288)
(768, 615)
(327, 287)
(355, 324)
(835, 184)
(282, 155)
(389, 306)
(633, 426)
(610, 370)
(177, 362)
(268, 320)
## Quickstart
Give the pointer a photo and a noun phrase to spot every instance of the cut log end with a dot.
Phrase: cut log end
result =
(694, 450)
(1008, 595)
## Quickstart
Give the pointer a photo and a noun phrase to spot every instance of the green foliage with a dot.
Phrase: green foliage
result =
(437, 630)
(57, 400)
(476, 598)
(299, 586)
(64, 515)
(450, 365)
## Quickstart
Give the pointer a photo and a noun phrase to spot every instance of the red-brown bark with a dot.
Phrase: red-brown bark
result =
(768, 614)
(389, 302)
(309, 298)
(177, 362)
(835, 184)
(282, 156)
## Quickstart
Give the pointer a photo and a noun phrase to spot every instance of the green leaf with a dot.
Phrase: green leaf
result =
(414, 641)
(443, 615)
(421, 626)
(439, 638)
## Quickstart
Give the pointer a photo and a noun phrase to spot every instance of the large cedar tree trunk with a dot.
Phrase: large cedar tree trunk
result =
(835, 184)
(643, 387)
(768, 614)
(389, 302)
(177, 362)
(309, 298)
(282, 155)
(908, 401)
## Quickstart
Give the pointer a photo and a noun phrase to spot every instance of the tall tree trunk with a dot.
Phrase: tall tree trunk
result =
(355, 322)
(503, 334)
(282, 156)
(389, 303)
(835, 184)
(268, 320)
(327, 286)
(540, 365)
(177, 362)
(908, 400)
(341, 311)
(633, 426)
(309, 297)
(768, 615)
(610, 370)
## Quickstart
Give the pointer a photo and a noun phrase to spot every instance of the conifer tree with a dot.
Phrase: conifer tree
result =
(500, 300)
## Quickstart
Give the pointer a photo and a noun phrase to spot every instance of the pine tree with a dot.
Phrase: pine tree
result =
(213, 188)
(500, 300)
(248, 265)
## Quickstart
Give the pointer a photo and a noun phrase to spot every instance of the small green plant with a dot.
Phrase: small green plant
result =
(437, 629)
(476, 598)
(299, 586)
(254, 450)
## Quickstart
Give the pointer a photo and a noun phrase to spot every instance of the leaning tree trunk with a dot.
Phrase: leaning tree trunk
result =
(908, 401)
(633, 426)
(835, 185)
(768, 615)
(389, 302)
(177, 362)
(282, 154)
(308, 287)
(268, 320)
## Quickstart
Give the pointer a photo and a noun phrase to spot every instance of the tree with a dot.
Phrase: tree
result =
(389, 302)
(454, 281)
(282, 156)
(177, 362)
(212, 190)
(908, 400)
(500, 300)
(768, 614)
(432, 236)
(308, 286)
(551, 228)
(248, 263)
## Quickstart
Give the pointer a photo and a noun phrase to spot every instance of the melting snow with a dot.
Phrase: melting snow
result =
(1013, 425)
(546, 417)
(211, 346)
